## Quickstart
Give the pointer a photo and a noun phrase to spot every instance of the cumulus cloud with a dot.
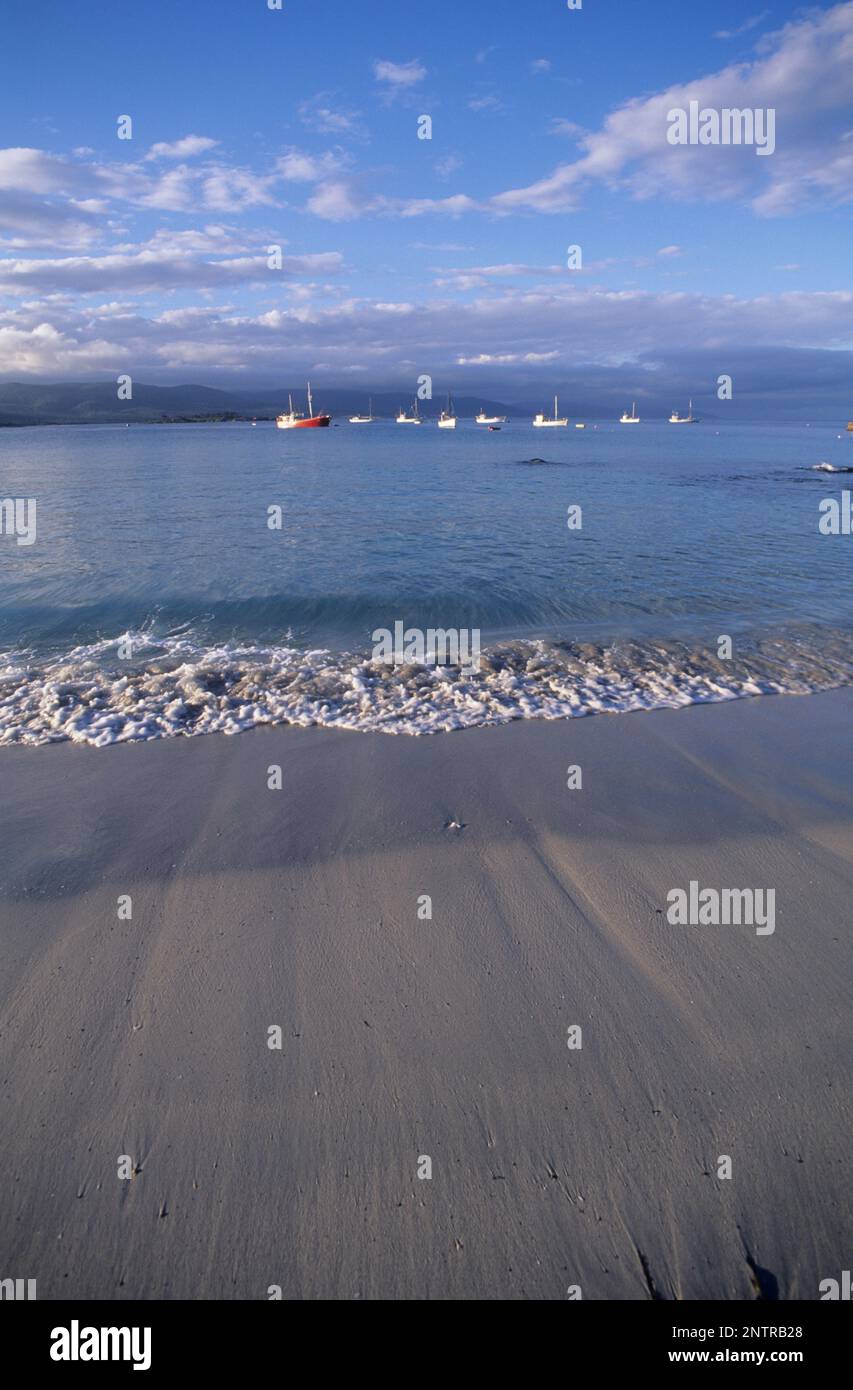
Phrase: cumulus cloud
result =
(343, 201)
(45, 351)
(475, 277)
(297, 167)
(802, 72)
(506, 359)
(35, 171)
(182, 149)
(164, 265)
(454, 206)
(399, 75)
(561, 126)
(36, 182)
(319, 114)
(26, 221)
(339, 201)
(545, 333)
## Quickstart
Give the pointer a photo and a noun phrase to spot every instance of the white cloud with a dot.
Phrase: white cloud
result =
(44, 351)
(525, 332)
(399, 75)
(801, 72)
(339, 201)
(343, 201)
(298, 167)
(35, 174)
(182, 149)
(454, 206)
(27, 221)
(506, 359)
(475, 277)
(318, 114)
(560, 126)
(161, 266)
(748, 24)
(35, 171)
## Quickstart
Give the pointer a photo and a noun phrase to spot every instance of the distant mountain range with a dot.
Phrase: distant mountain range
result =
(93, 403)
(97, 403)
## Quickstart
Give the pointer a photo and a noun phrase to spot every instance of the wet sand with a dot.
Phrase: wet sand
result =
(406, 1037)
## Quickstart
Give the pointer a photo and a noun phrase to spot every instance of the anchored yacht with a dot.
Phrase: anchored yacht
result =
(633, 418)
(447, 419)
(364, 419)
(413, 419)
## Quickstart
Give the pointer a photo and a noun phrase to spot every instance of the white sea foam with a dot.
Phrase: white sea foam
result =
(177, 688)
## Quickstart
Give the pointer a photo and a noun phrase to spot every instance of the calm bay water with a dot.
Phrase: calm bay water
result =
(160, 533)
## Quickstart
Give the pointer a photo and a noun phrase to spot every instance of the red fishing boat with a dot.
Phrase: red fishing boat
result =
(293, 421)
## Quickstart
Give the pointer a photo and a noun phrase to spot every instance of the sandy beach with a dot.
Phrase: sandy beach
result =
(406, 1037)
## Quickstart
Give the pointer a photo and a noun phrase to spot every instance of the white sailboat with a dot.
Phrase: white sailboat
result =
(447, 419)
(544, 422)
(364, 419)
(484, 419)
(413, 419)
(633, 418)
(688, 419)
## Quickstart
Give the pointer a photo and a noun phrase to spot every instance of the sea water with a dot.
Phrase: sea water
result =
(200, 578)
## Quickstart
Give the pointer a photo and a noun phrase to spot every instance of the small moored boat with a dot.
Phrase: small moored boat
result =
(413, 419)
(292, 420)
(543, 422)
(364, 419)
(688, 419)
(447, 419)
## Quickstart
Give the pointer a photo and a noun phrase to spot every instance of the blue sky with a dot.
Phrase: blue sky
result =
(255, 127)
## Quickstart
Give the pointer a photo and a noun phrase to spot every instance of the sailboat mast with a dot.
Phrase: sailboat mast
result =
(310, 403)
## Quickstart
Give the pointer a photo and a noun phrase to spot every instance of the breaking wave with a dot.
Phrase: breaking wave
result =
(177, 687)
